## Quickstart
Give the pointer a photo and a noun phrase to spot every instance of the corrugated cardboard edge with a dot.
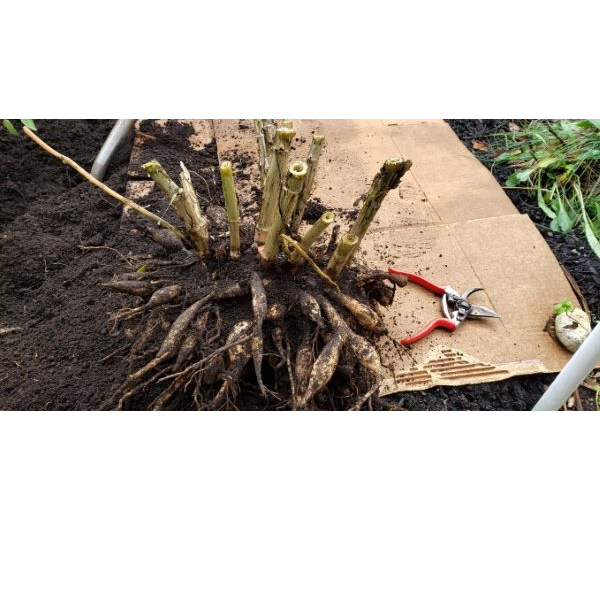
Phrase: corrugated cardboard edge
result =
(451, 367)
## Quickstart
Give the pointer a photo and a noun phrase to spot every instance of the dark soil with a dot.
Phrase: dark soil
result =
(62, 238)
(49, 285)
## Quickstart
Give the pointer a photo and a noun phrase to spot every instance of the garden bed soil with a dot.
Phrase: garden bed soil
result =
(52, 225)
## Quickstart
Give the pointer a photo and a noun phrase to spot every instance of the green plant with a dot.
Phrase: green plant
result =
(11, 128)
(560, 162)
(564, 306)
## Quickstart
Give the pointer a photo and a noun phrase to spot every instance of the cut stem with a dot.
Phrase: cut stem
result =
(231, 204)
(163, 180)
(269, 129)
(122, 199)
(312, 235)
(284, 210)
(340, 257)
(312, 161)
(262, 149)
(265, 134)
(287, 241)
(387, 179)
(194, 220)
(274, 182)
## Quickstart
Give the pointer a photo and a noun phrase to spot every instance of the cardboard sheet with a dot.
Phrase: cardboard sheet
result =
(449, 221)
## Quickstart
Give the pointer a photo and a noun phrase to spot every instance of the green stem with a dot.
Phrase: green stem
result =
(388, 178)
(312, 161)
(231, 204)
(162, 179)
(285, 210)
(262, 149)
(274, 181)
(312, 235)
(342, 254)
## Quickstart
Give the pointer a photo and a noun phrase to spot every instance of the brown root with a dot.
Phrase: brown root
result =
(322, 370)
(374, 286)
(160, 297)
(259, 308)
(275, 311)
(136, 288)
(366, 397)
(186, 349)
(303, 362)
(238, 354)
(364, 315)
(172, 341)
(310, 308)
(163, 237)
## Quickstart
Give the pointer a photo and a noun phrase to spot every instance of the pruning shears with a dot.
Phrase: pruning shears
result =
(455, 306)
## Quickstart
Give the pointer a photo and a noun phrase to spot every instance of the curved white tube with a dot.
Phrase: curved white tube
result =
(118, 133)
(576, 370)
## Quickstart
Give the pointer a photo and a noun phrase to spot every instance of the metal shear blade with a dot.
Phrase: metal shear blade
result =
(482, 311)
(475, 309)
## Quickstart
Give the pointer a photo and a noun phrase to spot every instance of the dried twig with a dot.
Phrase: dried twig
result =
(122, 199)
(288, 241)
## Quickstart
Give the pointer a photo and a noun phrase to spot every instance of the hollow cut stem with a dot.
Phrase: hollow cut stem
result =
(284, 210)
(340, 257)
(163, 180)
(312, 235)
(274, 182)
(122, 199)
(231, 205)
(313, 160)
(388, 178)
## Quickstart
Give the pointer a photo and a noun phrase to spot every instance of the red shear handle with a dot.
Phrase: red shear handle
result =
(432, 287)
(445, 323)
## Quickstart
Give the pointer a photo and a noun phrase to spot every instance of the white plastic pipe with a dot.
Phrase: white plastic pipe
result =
(118, 133)
(582, 363)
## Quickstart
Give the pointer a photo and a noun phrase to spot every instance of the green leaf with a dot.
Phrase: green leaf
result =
(544, 163)
(595, 122)
(10, 127)
(563, 219)
(588, 229)
(564, 306)
(518, 177)
(543, 205)
(29, 123)
(505, 157)
(512, 181)
(590, 236)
